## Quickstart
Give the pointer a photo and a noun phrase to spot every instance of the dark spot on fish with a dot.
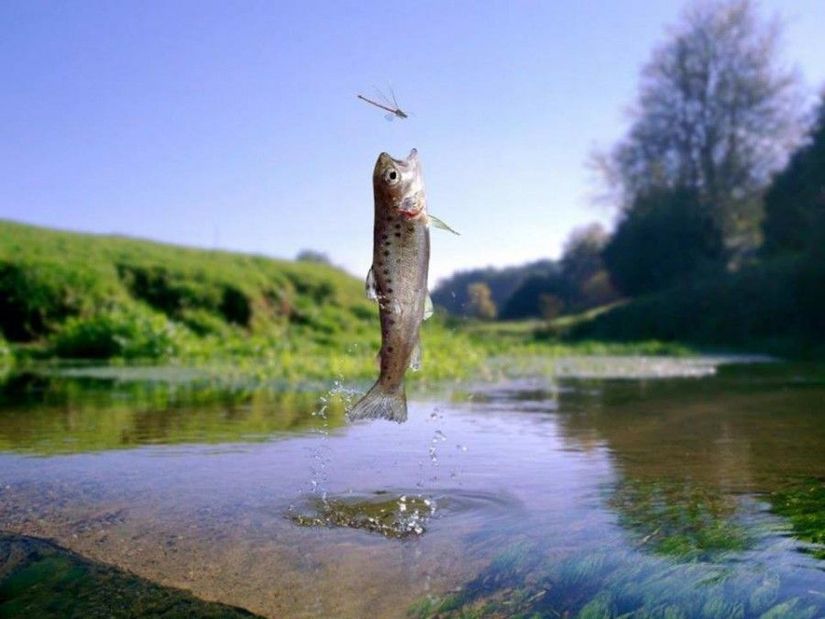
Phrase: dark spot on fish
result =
(389, 290)
(389, 281)
(397, 226)
(390, 349)
(386, 272)
(398, 234)
(388, 243)
(383, 237)
(411, 229)
(398, 261)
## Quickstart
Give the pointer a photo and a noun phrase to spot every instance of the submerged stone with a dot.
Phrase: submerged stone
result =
(394, 517)
(40, 579)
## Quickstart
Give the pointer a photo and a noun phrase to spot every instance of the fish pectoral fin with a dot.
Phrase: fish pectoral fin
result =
(415, 357)
(440, 224)
(428, 306)
(369, 286)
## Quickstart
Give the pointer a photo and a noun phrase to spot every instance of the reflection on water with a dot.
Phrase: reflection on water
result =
(698, 496)
(47, 415)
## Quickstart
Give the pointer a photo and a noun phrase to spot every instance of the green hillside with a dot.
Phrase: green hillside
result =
(49, 277)
(83, 296)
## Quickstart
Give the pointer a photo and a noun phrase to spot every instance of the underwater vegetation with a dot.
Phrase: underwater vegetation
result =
(679, 519)
(527, 581)
(681, 562)
(803, 505)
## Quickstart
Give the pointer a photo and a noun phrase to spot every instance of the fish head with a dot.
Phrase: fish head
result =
(399, 185)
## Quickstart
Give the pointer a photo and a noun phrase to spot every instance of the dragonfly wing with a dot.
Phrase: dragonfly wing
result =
(394, 101)
(389, 117)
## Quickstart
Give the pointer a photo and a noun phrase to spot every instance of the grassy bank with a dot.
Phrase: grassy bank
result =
(68, 296)
(760, 308)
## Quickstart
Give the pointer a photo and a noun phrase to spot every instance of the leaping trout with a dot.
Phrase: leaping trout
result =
(398, 281)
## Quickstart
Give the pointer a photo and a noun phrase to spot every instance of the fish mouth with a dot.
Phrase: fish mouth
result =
(409, 161)
(412, 206)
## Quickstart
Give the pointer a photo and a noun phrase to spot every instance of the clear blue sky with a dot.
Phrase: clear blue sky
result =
(235, 124)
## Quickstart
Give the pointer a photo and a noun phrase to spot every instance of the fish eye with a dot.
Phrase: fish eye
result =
(391, 176)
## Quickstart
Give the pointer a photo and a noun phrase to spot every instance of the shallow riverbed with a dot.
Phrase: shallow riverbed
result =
(610, 486)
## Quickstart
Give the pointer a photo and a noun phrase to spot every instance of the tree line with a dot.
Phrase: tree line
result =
(720, 170)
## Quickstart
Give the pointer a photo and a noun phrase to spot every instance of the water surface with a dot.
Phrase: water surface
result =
(607, 487)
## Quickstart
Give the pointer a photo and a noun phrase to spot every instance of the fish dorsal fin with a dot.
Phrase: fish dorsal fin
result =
(369, 286)
(415, 357)
(440, 224)
(428, 306)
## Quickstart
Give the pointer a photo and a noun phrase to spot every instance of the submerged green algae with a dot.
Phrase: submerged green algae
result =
(527, 581)
(803, 504)
(679, 519)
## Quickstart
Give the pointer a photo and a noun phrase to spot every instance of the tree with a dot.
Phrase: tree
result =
(582, 253)
(716, 115)
(481, 301)
(795, 202)
(582, 268)
(312, 255)
(550, 306)
(452, 295)
(661, 240)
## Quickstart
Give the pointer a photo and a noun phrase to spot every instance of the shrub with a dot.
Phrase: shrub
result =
(125, 332)
(6, 358)
(36, 295)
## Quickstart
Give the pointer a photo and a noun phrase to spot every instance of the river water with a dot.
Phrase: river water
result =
(607, 487)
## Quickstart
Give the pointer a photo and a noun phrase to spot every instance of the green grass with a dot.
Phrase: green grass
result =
(73, 296)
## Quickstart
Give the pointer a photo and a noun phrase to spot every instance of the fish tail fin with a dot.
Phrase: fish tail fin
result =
(381, 403)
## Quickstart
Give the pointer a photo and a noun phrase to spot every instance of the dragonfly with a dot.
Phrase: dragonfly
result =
(390, 106)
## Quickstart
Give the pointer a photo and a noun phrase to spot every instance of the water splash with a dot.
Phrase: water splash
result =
(438, 437)
(321, 452)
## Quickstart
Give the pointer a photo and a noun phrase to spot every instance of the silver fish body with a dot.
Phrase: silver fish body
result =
(398, 280)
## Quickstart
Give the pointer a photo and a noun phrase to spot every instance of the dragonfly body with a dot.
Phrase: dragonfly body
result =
(393, 110)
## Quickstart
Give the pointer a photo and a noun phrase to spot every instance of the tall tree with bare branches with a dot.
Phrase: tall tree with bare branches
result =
(716, 115)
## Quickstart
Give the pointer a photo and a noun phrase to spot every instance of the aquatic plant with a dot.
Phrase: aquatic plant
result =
(679, 519)
(803, 504)
(529, 581)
